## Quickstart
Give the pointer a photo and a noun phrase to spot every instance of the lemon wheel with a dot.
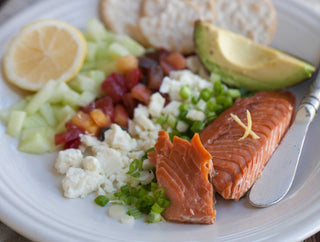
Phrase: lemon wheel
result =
(44, 50)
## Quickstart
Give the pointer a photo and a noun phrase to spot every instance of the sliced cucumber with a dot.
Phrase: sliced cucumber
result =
(34, 121)
(46, 111)
(95, 31)
(132, 46)
(85, 98)
(117, 50)
(91, 51)
(41, 97)
(15, 123)
(36, 144)
(63, 112)
(83, 83)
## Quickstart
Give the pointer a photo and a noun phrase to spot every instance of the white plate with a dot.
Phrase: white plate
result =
(30, 195)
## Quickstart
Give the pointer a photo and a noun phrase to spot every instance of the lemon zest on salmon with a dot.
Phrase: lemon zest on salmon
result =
(248, 128)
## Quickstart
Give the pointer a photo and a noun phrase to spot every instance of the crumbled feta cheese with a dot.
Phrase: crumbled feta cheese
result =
(182, 126)
(91, 163)
(141, 110)
(196, 115)
(79, 182)
(111, 160)
(165, 85)
(172, 108)
(68, 158)
(156, 105)
(119, 139)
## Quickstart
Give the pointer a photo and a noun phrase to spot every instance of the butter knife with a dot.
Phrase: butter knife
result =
(278, 174)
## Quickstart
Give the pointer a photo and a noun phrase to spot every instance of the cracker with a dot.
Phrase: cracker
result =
(251, 18)
(172, 27)
(121, 16)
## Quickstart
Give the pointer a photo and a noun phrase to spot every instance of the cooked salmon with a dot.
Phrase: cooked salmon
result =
(183, 168)
(238, 163)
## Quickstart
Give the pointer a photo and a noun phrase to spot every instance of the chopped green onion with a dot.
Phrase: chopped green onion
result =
(197, 126)
(154, 217)
(225, 101)
(184, 107)
(185, 92)
(218, 89)
(172, 121)
(125, 189)
(206, 93)
(101, 200)
(162, 119)
(194, 100)
(134, 212)
(134, 165)
(163, 202)
(210, 117)
(234, 93)
(159, 193)
(212, 105)
(153, 186)
(156, 208)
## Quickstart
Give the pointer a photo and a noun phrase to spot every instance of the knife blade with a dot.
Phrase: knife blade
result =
(278, 174)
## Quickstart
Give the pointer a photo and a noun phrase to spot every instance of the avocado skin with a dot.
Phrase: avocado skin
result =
(206, 53)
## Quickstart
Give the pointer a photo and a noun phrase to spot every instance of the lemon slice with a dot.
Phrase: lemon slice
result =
(44, 50)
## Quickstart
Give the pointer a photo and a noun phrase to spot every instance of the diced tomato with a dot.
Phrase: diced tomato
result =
(88, 108)
(84, 122)
(172, 62)
(141, 93)
(155, 76)
(100, 118)
(106, 106)
(69, 125)
(121, 116)
(115, 87)
(146, 62)
(67, 136)
(132, 78)
(126, 63)
(130, 103)
(73, 144)
(176, 60)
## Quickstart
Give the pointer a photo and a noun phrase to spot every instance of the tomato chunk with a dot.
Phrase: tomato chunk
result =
(106, 106)
(132, 78)
(121, 116)
(67, 136)
(141, 93)
(115, 87)
(84, 122)
(100, 118)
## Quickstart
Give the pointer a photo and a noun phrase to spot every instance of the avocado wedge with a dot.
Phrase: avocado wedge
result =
(243, 63)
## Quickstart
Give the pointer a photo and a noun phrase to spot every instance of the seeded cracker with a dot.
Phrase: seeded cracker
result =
(255, 19)
(172, 28)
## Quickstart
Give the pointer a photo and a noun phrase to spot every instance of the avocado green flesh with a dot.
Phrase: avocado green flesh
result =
(224, 53)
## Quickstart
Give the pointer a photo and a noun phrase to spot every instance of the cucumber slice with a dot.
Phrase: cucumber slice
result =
(4, 115)
(95, 31)
(41, 97)
(132, 46)
(97, 76)
(83, 83)
(85, 98)
(46, 111)
(35, 144)
(106, 66)
(91, 51)
(33, 121)
(63, 112)
(87, 66)
(117, 50)
(64, 94)
(46, 131)
(15, 123)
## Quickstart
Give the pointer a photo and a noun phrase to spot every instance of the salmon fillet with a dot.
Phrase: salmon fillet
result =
(183, 168)
(238, 163)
